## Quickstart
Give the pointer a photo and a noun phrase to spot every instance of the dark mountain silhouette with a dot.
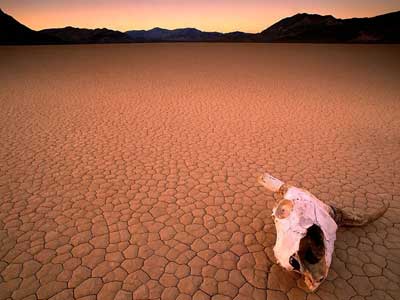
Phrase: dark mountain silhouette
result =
(238, 36)
(74, 35)
(298, 28)
(188, 35)
(327, 29)
(176, 35)
(14, 33)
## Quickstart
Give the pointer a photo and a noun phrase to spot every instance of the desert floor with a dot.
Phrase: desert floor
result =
(129, 171)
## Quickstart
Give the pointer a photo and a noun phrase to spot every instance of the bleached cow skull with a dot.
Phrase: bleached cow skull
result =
(306, 230)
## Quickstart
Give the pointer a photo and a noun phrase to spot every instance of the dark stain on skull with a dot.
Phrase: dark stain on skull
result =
(312, 254)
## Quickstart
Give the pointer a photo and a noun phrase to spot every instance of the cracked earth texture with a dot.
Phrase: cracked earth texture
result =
(129, 171)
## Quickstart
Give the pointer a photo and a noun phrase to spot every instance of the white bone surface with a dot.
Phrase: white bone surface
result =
(307, 210)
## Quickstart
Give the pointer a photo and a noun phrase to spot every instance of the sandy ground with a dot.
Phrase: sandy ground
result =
(129, 171)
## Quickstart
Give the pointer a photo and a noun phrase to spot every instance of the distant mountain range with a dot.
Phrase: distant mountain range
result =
(71, 35)
(327, 29)
(302, 28)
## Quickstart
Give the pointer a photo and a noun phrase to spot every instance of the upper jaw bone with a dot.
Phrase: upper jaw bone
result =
(312, 286)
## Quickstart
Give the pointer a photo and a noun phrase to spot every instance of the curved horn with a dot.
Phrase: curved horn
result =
(351, 217)
(270, 182)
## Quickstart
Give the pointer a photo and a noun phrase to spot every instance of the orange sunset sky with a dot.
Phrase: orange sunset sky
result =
(207, 15)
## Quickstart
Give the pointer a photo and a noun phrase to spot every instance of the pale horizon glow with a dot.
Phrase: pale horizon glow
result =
(208, 15)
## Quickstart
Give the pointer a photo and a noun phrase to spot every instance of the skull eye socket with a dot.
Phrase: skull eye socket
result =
(294, 263)
(284, 209)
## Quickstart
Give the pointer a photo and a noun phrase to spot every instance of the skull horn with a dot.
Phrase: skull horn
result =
(347, 217)
(270, 182)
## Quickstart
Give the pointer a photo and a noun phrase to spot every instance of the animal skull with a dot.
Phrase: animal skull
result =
(306, 230)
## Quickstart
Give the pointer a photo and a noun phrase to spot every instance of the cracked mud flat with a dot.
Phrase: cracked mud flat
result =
(129, 171)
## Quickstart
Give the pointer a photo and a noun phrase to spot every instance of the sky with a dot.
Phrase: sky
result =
(208, 15)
